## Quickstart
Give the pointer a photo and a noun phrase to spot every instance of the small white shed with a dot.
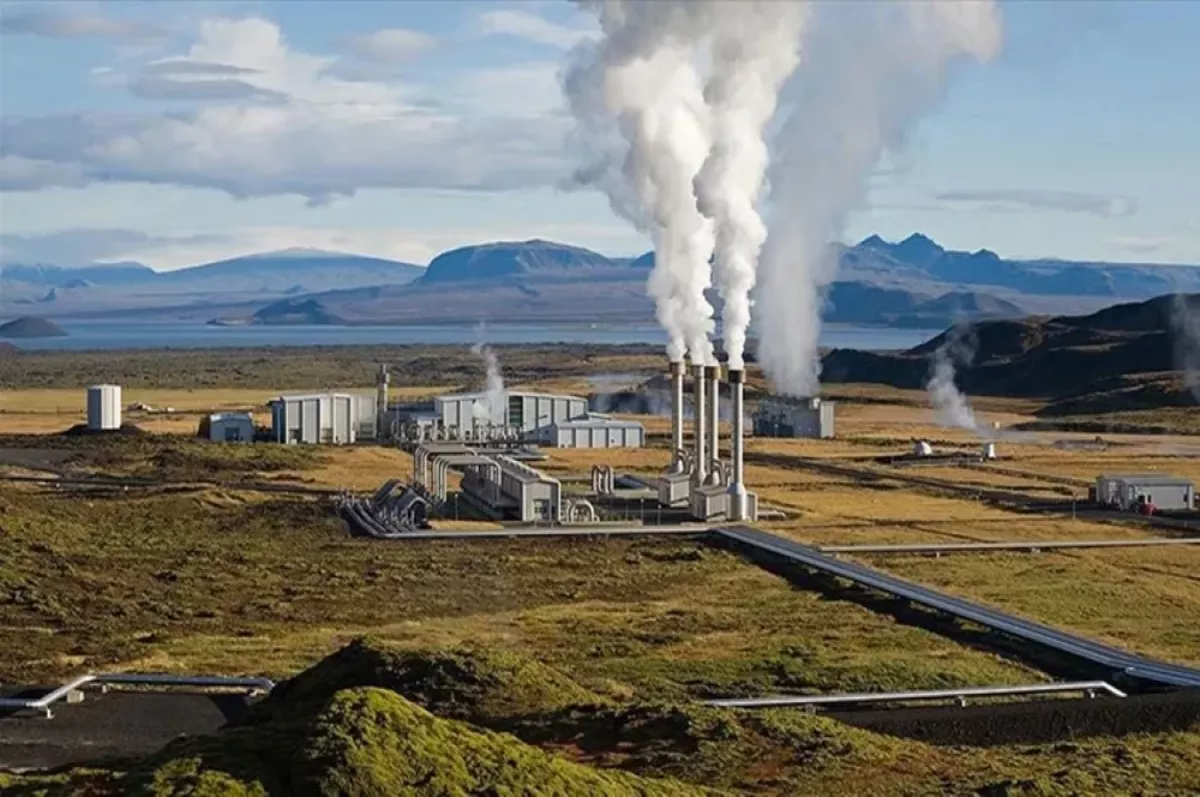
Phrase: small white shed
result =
(228, 427)
(593, 431)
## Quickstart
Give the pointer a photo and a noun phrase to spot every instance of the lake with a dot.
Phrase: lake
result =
(132, 335)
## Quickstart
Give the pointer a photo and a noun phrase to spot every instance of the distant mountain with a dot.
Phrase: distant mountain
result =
(1064, 357)
(508, 259)
(257, 278)
(29, 327)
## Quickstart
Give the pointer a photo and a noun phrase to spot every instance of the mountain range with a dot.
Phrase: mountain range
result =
(914, 282)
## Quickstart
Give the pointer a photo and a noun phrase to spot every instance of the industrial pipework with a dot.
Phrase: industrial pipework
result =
(713, 373)
(736, 493)
(382, 379)
(678, 465)
(700, 458)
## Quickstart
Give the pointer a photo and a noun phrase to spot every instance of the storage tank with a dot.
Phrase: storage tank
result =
(104, 408)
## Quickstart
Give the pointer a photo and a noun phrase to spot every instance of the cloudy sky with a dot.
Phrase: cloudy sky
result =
(180, 132)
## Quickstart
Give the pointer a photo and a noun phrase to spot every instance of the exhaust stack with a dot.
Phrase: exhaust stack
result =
(713, 372)
(738, 499)
(678, 465)
(700, 464)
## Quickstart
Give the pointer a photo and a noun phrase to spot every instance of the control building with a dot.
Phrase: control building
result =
(782, 416)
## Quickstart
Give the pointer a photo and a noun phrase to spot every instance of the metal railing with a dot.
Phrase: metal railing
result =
(104, 680)
(1033, 547)
(959, 696)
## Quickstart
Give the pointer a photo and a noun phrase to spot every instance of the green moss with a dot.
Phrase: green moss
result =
(484, 687)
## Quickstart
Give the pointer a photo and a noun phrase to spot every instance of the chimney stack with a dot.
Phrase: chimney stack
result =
(700, 465)
(713, 373)
(736, 494)
(677, 460)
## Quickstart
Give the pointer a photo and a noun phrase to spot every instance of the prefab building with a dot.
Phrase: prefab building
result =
(780, 416)
(104, 408)
(366, 423)
(228, 427)
(1165, 493)
(329, 418)
(463, 413)
(593, 431)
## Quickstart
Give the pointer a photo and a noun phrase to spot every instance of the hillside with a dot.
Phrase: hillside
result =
(1129, 354)
(31, 327)
(497, 261)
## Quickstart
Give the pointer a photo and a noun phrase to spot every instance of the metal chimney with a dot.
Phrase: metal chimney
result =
(382, 379)
(713, 373)
(677, 459)
(736, 494)
(700, 466)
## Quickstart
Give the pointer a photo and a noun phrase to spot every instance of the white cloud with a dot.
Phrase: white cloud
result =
(1009, 199)
(277, 121)
(60, 24)
(391, 45)
(531, 27)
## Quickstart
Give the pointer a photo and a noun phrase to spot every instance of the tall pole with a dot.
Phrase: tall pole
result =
(677, 369)
(700, 467)
(736, 493)
(713, 373)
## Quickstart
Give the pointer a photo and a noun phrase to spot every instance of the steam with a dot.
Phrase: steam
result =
(949, 402)
(870, 70)
(755, 48)
(642, 73)
(491, 408)
(1185, 323)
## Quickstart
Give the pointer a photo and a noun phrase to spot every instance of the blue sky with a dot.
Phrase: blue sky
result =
(179, 132)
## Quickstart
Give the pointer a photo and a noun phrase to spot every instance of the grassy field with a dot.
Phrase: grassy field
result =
(217, 577)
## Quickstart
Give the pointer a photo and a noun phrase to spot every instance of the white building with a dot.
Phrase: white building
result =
(104, 407)
(780, 416)
(593, 431)
(311, 419)
(228, 427)
(1167, 493)
(469, 415)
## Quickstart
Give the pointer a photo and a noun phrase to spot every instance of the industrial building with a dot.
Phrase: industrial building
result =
(228, 427)
(593, 431)
(782, 416)
(498, 485)
(315, 418)
(470, 416)
(1128, 493)
(104, 408)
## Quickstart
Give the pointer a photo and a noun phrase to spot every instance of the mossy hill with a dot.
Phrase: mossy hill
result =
(29, 327)
(1127, 356)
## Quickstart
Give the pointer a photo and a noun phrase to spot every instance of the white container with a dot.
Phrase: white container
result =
(104, 408)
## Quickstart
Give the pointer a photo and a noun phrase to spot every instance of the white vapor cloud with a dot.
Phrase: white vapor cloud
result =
(1036, 199)
(531, 27)
(276, 120)
(391, 45)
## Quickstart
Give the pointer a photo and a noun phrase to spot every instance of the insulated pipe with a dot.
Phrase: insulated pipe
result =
(677, 463)
(737, 488)
(699, 458)
(713, 373)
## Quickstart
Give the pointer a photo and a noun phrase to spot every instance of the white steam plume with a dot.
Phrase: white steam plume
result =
(642, 73)
(870, 70)
(491, 409)
(755, 48)
(949, 402)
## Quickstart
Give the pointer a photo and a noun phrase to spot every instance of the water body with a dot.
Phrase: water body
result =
(97, 335)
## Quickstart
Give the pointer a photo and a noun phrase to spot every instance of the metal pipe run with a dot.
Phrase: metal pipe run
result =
(1089, 688)
(736, 494)
(976, 547)
(713, 374)
(700, 460)
(43, 703)
(678, 464)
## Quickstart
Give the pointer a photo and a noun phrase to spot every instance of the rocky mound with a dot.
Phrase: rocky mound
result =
(31, 327)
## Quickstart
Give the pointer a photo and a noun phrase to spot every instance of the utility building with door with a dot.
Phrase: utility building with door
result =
(228, 427)
(317, 418)
(1164, 493)
(593, 431)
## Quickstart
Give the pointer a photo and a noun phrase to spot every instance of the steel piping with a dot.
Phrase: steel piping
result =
(43, 703)
(1090, 688)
